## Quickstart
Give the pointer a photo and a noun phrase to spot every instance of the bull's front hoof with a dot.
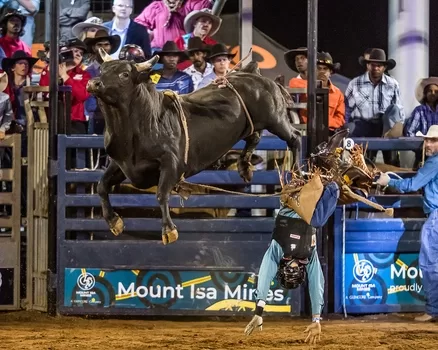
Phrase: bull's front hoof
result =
(246, 171)
(116, 225)
(170, 236)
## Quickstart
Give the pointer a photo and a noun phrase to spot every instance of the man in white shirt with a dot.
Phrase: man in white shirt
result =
(129, 31)
(200, 68)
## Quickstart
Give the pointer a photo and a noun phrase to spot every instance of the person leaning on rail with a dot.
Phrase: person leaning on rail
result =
(426, 178)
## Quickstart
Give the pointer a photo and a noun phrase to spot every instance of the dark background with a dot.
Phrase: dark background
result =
(346, 27)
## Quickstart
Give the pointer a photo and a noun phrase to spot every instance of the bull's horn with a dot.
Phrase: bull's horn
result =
(148, 64)
(105, 57)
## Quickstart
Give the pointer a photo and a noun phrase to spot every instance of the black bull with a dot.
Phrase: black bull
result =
(145, 139)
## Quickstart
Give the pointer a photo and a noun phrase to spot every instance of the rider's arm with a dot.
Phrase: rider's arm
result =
(316, 284)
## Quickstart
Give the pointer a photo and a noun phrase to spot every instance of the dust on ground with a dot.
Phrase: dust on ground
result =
(33, 330)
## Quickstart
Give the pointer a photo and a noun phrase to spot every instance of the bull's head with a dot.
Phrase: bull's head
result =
(118, 79)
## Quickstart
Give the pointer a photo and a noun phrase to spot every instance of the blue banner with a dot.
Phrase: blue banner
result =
(384, 278)
(169, 289)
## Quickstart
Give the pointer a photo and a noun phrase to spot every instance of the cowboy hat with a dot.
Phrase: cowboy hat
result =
(220, 50)
(92, 22)
(196, 44)
(102, 35)
(192, 17)
(73, 43)
(432, 133)
(170, 48)
(289, 56)
(378, 56)
(8, 12)
(422, 84)
(324, 58)
(19, 55)
(3, 81)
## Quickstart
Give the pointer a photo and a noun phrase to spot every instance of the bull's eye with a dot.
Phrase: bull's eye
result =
(124, 75)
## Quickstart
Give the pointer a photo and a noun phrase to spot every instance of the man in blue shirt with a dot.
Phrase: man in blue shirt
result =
(426, 178)
(169, 77)
(291, 253)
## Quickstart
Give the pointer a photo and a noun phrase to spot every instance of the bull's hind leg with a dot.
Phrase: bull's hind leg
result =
(111, 177)
(285, 131)
(244, 163)
(167, 181)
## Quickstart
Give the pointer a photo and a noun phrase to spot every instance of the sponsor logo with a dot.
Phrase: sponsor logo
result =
(86, 281)
(363, 271)
(294, 236)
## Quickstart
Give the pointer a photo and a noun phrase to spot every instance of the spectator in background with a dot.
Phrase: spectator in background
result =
(220, 57)
(164, 19)
(201, 24)
(88, 28)
(325, 68)
(170, 78)
(200, 68)
(12, 25)
(129, 31)
(28, 8)
(6, 114)
(72, 12)
(373, 106)
(110, 43)
(296, 59)
(425, 115)
(71, 73)
(19, 69)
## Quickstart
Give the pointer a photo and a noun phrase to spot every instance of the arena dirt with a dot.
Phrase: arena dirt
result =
(31, 330)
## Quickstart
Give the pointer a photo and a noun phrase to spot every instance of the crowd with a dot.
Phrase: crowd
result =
(181, 31)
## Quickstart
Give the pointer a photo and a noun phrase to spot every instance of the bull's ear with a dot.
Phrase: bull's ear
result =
(104, 56)
(148, 64)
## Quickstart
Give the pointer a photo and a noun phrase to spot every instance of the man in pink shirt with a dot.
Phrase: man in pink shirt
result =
(11, 26)
(202, 24)
(164, 19)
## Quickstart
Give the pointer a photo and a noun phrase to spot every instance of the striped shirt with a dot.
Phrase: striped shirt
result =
(180, 82)
(364, 100)
(422, 118)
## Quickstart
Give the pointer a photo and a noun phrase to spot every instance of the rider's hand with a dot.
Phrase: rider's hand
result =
(383, 180)
(313, 333)
(256, 322)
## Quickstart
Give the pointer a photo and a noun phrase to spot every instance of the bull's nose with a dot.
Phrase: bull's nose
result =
(93, 85)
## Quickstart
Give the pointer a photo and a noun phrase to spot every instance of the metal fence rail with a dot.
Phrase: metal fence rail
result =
(10, 239)
(37, 199)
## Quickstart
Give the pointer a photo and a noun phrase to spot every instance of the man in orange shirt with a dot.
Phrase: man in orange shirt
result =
(325, 68)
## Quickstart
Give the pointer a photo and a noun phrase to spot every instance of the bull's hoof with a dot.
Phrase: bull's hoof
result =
(246, 171)
(116, 225)
(170, 236)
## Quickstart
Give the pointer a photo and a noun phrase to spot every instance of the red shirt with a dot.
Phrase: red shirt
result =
(10, 45)
(181, 42)
(78, 81)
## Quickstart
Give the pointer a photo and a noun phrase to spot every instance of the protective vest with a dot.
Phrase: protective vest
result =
(295, 236)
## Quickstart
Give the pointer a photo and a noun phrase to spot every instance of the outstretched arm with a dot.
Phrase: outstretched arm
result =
(268, 270)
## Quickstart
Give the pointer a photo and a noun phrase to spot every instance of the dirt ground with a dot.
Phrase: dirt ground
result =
(31, 330)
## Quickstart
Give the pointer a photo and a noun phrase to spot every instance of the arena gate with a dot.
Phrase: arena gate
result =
(10, 225)
(376, 257)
